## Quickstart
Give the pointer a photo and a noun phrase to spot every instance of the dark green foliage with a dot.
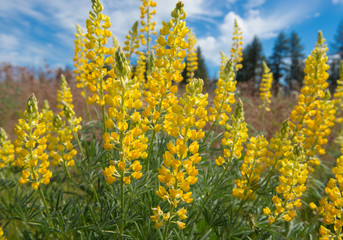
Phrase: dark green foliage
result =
(252, 62)
(296, 68)
(277, 60)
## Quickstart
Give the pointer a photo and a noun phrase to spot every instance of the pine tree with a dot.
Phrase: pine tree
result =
(252, 61)
(201, 72)
(296, 72)
(277, 60)
(336, 57)
(338, 44)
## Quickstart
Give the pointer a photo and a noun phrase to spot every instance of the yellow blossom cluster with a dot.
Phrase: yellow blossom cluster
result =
(192, 57)
(97, 53)
(223, 60)
(184, 121)
(235, 136)
(236, 50)
(125, 125)
(131, 42)
(64, 96)
(279, 146)
(339, 90)
(30, 146)
(6, 149)
(60, 147)
(313, 117)
(47, 115)
(265, 87)
(147, 25)
(293, 172)
(331, 206)
(224, 95)
(254, 163)
(167, 66)
(80, 59)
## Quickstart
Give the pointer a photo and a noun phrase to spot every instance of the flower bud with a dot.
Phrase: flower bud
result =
(122, 67)
(32, 105)
(57, 121)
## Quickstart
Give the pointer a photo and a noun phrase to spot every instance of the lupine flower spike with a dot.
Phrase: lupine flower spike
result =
(165, 68)
(331, 206)
(6, 150)
(131, 42)
(148, 26)
(98, 55)
(237, 47)
(184, 121)
(192, 58)
(314, 116)
(30, 146)
(265, 87)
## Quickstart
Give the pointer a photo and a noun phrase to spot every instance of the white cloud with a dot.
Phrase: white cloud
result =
(254, 3)
(60, 17)
(337, 1)
(265, 25)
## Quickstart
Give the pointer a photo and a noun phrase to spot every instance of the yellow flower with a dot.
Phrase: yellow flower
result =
(314, 115)
(265, 87)
(192, 57)
(6, 149)
(180, 225)
(178, 171)
(252, 167)
(31, 156)
(2, 237)
(237, 47)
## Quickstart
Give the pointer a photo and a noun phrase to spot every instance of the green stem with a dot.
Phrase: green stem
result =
(165, 232)
(87, 106)
(44, 202)
(78, 141)
(122, 223)
(262, 119)
(150, 148)
(208, 132)
(147, 160)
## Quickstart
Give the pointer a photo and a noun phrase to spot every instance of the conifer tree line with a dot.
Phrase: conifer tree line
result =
(286, 61)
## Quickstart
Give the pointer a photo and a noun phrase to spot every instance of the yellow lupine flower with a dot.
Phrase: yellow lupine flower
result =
(265, 87)
(125, 126)
(98, 54)
(31, 157)
(237, 47)
(61, 149)
(252, 167)
(314, 115)
(64, 95)
(178, 171)
(148, 26)
(2, 237)
(235, 136)
(192, 57)
(331, 205)
(167, 66)
(6, 149)
(131, 42)
(224, 95)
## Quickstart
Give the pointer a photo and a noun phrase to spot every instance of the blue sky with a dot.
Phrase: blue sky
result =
(35, 31)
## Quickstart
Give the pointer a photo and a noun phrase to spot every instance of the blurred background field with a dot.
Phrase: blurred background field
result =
(17, 83)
